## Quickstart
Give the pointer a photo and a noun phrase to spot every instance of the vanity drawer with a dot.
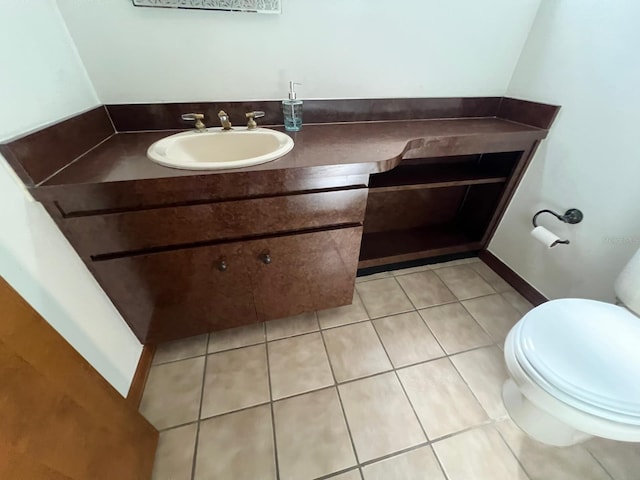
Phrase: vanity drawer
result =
(137, 231)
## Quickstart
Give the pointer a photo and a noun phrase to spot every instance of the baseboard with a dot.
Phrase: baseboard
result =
(415, 263)
(512, 278)
(140, 377)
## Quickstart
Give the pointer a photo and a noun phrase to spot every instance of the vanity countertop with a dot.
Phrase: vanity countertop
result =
(337, 148)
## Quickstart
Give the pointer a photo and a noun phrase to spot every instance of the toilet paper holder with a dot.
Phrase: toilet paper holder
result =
(573, 215)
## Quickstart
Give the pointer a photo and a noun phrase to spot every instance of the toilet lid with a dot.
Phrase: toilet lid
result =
(588, 350)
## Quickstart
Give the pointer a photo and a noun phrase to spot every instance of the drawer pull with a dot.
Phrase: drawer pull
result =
(266, 258)
(222, 266)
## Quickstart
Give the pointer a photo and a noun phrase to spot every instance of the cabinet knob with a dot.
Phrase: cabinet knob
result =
(222, 266)
(266, 258)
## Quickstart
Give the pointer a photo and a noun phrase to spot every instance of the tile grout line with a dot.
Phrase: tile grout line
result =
(396, 454)
(169, 362)
(273, 418)
(417, 309)
(609, 474)
(243, 409)
(489, 282)
(493, 290)
(294, 335)
(344, 413)
(372, 279)
(447, 436)
(474, 321)
(335, 384)
(433, 334)
(446, 356)
(377, 459)
(337, 473)
(405, 294)
(250, 344)
(465, 380)
(356, 293)
(407, 450)
(320, 330)
(404, 391)
(470, 389)
(195, 448)
(359, 466)
(347, 324)
(435, 455)
(401, 271)
(291, 317)
(174, 427)
(491, 421)
(491, 337)
(395, 373)
(504, 440)
(372, 318)
(219, 415)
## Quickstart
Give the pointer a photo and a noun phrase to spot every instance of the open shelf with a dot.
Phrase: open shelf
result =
(433, 206)
(406, 177)
(393, 246)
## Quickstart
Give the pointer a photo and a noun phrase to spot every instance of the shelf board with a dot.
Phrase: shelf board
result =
(419, 186)
(395, 246)
(433, 176)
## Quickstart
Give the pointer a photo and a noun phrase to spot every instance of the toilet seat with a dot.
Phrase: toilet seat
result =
(584, 353)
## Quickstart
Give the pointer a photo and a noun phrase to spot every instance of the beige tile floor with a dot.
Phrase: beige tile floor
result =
(402, 384)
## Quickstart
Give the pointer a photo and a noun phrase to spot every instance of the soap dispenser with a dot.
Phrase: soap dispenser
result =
(292, 110)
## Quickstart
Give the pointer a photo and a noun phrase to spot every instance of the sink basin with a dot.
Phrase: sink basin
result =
(217, 149)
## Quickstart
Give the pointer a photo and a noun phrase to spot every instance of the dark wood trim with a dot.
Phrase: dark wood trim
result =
(388, 267)
(162, 116)
(167, 116)
(14, 163)
(140, 377)
(44, 152)
(390, 262)
(536, 114)
(510, 190)
(39, 155)
(512, 278)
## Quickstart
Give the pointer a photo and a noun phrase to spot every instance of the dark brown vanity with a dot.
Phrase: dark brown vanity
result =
(368, 183)
(434, 206)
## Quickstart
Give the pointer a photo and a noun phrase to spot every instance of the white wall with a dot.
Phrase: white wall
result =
(583, 55)
(337, 49)
(42, 81)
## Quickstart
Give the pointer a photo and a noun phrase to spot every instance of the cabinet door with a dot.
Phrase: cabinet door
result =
(304, 272)
(175, 294)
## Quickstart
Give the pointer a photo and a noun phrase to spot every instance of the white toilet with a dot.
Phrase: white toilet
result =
(575, 367)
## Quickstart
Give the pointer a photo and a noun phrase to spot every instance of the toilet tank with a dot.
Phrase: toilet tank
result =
(628, 284)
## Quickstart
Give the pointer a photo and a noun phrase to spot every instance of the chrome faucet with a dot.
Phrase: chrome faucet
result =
(197, 117)
(224, 120)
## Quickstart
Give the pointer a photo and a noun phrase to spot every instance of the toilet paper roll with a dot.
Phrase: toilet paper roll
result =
(545, 236)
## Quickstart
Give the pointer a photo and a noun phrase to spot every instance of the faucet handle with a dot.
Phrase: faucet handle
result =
(251, 124)
(197, 117)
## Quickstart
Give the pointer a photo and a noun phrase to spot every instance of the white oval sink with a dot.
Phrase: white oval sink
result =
(217, 149)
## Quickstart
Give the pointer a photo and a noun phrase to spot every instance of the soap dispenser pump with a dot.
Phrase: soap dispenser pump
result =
(292, 110)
